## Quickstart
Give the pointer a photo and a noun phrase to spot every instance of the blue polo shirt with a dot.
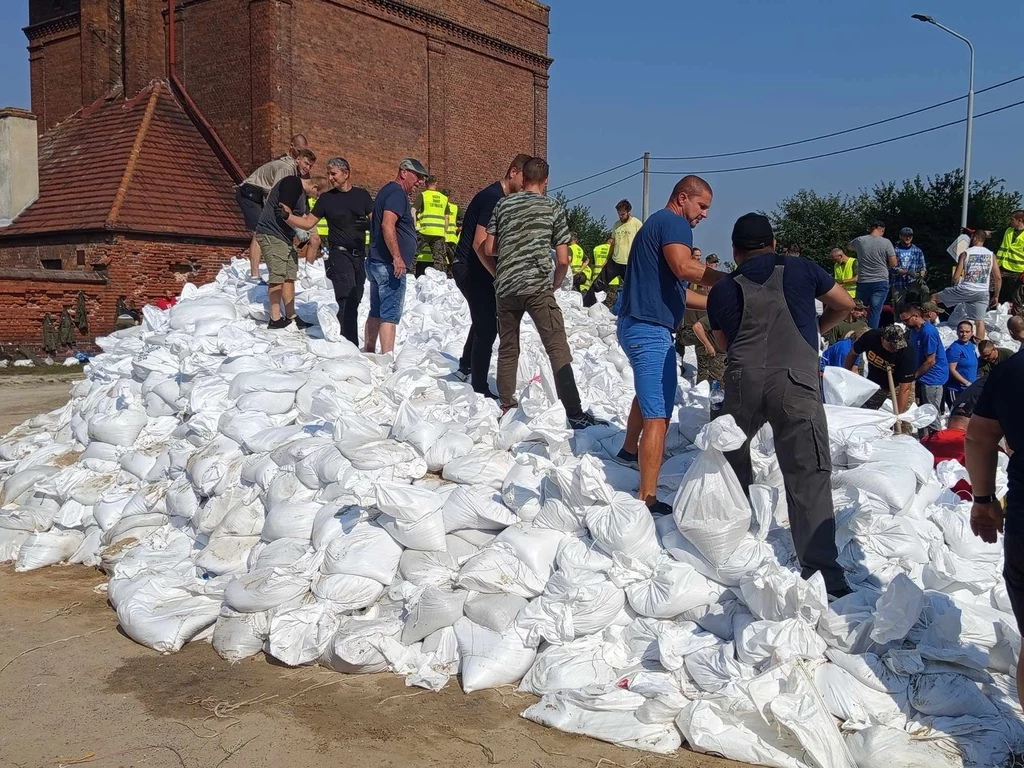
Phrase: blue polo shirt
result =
(965, 355)
(835, 354)
(392, 198)
(802, 282)
(928, 342)
(651, 291)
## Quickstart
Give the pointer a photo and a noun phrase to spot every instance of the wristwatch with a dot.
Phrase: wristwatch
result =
(986, 499)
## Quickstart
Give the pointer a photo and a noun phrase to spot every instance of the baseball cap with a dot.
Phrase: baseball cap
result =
(414, 165)
(752, 231)
(896, 335)
(878, 224)
(711, 259)
(930, 306)
(906, 231)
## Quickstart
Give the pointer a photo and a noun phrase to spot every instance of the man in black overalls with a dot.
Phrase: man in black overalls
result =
(764, 314)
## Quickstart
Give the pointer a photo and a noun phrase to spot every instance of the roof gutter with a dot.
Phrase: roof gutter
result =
(191, 109)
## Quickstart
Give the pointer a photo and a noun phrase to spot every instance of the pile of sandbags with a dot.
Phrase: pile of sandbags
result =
(279, 491)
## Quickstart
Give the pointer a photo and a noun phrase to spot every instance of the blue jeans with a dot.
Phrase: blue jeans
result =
(873, 295)
(387, 292)
(652, 356)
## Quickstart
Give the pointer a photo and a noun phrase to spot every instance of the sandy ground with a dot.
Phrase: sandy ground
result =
(76, 690)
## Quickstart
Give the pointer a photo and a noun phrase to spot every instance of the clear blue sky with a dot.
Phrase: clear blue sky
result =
(697, 78)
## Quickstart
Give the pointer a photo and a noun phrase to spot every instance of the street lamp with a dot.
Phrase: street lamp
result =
(970, 115)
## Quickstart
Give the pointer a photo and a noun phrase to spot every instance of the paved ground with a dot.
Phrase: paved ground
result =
(77, 691)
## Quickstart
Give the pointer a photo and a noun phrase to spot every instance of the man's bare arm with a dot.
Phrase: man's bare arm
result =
(838, 305)
(696, 300)
(389, 228)
(561, 264)
(703, 338)
(488, 252)
(926, 365)
(903, 395)
(680, 260)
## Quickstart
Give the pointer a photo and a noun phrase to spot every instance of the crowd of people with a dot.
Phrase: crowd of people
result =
(763, 332)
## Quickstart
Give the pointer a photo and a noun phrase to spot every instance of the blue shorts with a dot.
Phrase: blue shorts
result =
(387, 292)
(652, 356)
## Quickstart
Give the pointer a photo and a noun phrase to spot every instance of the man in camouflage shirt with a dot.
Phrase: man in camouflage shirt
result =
(524, 227)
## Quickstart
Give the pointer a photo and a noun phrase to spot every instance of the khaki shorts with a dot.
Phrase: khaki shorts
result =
(281, 259)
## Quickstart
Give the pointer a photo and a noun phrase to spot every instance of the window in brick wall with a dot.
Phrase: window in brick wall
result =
(52, 264)
(80, 257)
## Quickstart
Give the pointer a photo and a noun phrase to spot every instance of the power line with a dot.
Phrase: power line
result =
(599, 189)
(844, 131)
(595, 175)
(842, 151)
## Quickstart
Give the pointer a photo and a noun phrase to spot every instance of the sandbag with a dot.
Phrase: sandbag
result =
(489, 659)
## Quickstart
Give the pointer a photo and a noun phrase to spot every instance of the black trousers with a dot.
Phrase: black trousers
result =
(347, 274)
(790, 401)
(250, 202)
(483, 309)
(612, 270)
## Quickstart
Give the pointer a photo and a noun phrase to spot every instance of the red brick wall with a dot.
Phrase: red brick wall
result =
(140, 270)
(55, 61)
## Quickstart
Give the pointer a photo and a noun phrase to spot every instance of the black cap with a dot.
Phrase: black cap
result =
(752, 231)
(878, 224)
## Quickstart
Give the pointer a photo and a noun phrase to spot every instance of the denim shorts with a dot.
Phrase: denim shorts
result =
(652, 356)
(387, 292)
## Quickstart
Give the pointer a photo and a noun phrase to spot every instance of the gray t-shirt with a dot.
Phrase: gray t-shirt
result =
(873, 254)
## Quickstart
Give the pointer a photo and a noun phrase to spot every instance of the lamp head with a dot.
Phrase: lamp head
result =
(923, 17)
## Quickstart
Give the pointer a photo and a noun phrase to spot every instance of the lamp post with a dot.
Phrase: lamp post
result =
(970, 115)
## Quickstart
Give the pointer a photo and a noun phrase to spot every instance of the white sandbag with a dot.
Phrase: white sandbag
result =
(166, 613)
(734, 729)
(10, 543)
(882, 747)
(476, 506)
(895, 485)
(19, 482)
(238, 636)
(897, 610)
(496, 612)
(778, 641)
(625, 525)
(120, 428)
(489, 659)
(434, 609)
(842, 387)
(710, 508)
(413, 516)
(776, 593)
(364, 549)
(267, 588)
(44, 548)
(481, 467)
(186, 314)
(290, 520)
(225, 553)
(355, 648)
(748, 556)
(301, 635)
(109, 509)
(277, 554)
(898, 450)
(664, 590)
(497, 568)
(537, 547)
(608, 716)
(347, 592)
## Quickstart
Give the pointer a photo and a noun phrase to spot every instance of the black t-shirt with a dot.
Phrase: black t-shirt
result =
(1000, 400)
(343, 211)
(901, 362)
(477, 214)
(288, 191)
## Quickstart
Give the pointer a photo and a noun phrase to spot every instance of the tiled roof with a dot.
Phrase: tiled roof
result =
(135, 165)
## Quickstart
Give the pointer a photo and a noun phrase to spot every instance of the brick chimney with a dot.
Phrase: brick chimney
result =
(19, 163)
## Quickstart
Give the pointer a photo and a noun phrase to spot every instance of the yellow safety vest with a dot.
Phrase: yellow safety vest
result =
(588, 277)
(431, 218)
(321, 226)
(844, 271)
(576, 257)
(1011, 252)
(452, 233)
(601, 258)
(425, 253)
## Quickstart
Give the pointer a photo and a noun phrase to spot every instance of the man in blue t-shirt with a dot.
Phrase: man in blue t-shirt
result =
(392, 250)
(764, 315)
(653, 299)
(998, 416)
(932, 367)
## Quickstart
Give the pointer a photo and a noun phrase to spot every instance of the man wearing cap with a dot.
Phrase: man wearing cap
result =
(888, 351)
(845, 270)
(347, 210)
(910, 270)
(765, 317)
(875, 255)
(654, 299)
(930, 312)
(392, 250)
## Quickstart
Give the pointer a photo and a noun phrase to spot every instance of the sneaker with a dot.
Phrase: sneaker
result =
(659, 509)
(463, 374)
(276, 325)
(489, 394)
(627, 459)
(301, 324)
(585, 420)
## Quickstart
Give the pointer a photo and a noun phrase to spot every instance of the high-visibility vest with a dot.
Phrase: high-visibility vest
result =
(844, 271)
(588, 277)
(431, 218)
(576, 257)
(1011, 253)
(321, 226)
(452, 233)
(601, 258)
(425, 253)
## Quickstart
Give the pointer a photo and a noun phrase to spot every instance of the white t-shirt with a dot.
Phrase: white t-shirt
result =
(977, 269)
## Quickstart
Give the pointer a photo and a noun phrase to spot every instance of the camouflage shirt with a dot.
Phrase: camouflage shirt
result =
(526, 225)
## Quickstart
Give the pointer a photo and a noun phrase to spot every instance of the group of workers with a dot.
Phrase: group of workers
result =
(766, 317)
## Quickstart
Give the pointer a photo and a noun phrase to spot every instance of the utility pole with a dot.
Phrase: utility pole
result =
(647, 185)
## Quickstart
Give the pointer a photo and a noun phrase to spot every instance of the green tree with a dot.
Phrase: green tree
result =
(817, 223)
(590, 230)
